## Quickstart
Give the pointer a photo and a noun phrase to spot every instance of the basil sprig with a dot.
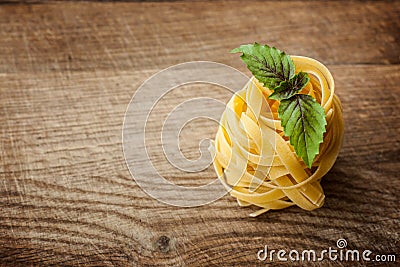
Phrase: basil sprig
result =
(302, 117)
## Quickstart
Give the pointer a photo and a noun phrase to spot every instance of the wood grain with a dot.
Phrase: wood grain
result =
(67, 73)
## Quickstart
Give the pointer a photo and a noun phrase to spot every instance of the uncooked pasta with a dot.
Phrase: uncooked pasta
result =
(254, 159)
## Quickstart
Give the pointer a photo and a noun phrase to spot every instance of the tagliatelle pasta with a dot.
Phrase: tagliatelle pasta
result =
(254, 159)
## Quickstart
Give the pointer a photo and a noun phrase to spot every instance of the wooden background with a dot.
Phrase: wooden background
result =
(67, 73)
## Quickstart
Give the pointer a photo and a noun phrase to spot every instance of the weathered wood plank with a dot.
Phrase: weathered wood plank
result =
(125, 36)
(66, 193)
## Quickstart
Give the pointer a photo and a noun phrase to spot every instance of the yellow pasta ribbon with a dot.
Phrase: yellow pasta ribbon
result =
(254, 159)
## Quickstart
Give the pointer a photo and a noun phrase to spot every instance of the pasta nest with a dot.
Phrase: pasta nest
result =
(254, 159)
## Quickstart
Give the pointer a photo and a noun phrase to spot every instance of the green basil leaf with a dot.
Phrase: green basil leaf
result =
(287, 89)
(303, 120)
(269, 65)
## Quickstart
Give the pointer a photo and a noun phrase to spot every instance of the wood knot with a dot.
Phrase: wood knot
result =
(163, 243)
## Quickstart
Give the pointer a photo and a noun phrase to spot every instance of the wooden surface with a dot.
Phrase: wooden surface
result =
(67, 73)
